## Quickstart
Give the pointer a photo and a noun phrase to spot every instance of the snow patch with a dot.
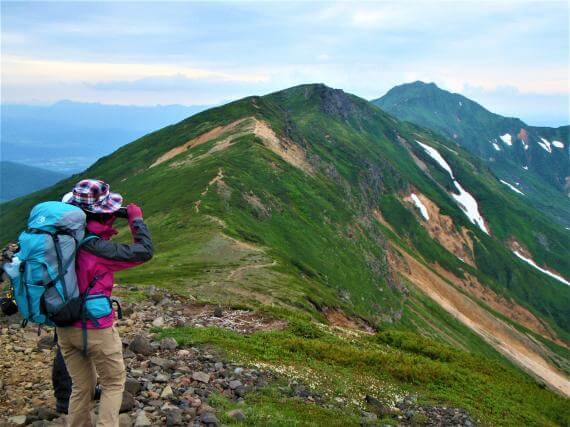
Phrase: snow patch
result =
(496, 146)
(525, 168)
(420, 206)
(551, 274)
(469, 206)
(558, 144)
(460, 104)
(465, 200)
(434, 154)
(507, 139)
(512, 187)
(545, 144)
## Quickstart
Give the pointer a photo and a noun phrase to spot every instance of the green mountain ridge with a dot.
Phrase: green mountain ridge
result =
(533, 159)
(296, 203)
(17, 180)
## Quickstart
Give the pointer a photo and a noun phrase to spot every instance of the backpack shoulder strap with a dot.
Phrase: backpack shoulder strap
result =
(88, 238)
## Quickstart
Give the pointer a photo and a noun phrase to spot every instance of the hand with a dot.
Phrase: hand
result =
(134, 212)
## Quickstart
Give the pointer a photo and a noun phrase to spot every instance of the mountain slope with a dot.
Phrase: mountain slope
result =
(18, 180)
(534, 160)
(300, 203)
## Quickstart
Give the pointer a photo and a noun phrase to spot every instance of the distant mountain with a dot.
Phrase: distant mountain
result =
(18, 180)
(68, 136)
(534, 160)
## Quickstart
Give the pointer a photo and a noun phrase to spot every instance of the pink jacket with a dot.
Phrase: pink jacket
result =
(98, 259)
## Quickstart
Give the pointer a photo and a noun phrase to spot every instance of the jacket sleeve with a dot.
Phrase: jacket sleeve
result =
(122, 255)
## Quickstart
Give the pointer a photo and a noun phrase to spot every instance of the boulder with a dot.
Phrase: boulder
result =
(236, 414)
(128, 402)
(167, 393)
(173, 417)
(168, 344)
(209, 419)
(132, 386)
(125, 420)
(203, 377)
(142, 420)
(158, 322)
(141, 345)
(18, 420)
(235, 384)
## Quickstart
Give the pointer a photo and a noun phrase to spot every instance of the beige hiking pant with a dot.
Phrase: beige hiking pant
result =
(104, 359)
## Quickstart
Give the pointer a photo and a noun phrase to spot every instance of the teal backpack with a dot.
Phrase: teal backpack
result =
(42, 273)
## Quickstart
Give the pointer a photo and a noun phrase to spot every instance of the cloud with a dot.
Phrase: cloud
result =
(174, 82)
(17, 69)
(121, 52)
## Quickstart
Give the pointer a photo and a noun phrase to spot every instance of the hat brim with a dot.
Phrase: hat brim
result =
(111, 204)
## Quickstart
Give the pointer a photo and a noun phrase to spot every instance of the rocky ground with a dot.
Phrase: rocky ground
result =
(169, 385)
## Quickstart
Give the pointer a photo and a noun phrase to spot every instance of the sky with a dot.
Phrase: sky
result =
(511, 56)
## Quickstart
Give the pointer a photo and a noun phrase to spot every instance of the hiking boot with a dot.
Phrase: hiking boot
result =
(62, 406)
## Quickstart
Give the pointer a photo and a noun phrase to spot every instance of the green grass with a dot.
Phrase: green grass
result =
(387, 365)
(270, 407)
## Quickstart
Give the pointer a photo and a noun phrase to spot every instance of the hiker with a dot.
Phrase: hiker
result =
(61, 381)
(92, 347)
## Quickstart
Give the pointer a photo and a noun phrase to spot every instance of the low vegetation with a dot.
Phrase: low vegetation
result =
(387, 365)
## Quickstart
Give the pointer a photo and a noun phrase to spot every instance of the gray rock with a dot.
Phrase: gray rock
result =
(128, 402)
(18, 420)
(218, 365)
(128, 354)
(167, 393)
(163, 301)
(128, 309)
(137, 373)
(236, 414)
(238, 371)
(368, 417)
(209, 418)
(46, 342)
(141, 345)
(156, 297)
(158, 322)
(173, 417)
(142, 420)
(201, 376)
(125, 420)
(162, 378)
(132, 386)
(168, 344)
(44, 413)
(163, 363)
(235, 384)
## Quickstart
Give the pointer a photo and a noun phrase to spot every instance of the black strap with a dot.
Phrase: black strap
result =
(119, 309)
(84, 313)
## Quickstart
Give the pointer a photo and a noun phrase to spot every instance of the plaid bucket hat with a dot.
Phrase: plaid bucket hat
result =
(94, 196)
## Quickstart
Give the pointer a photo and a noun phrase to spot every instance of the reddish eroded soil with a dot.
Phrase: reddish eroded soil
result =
(516, 346)
(442, 229)
(337, 317)
(507, 307)
(205, 137)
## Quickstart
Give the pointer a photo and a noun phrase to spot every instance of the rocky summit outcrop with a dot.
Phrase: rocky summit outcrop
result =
(169, 384)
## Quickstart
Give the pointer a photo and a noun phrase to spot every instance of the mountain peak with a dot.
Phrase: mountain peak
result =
(333, 102)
